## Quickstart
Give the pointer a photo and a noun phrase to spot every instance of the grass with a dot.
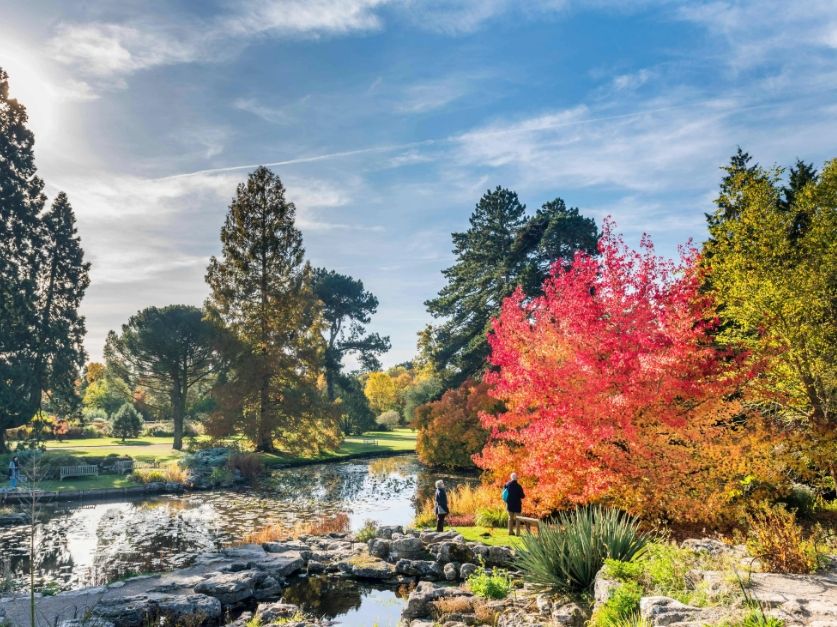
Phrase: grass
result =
(86, 483)
(489, 536)
(397, 441)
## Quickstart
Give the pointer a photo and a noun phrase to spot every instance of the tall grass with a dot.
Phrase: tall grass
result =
(570, 549)
(277, 532)
(464, 501)
(170, 473)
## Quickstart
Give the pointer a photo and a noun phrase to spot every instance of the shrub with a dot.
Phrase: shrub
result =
(777, 539)
(490, 585)
(802, 499)
(367, 532)
(388, 420)
(461, 520)
(568, 551)
(449, 430)
(92, 414)
(250, 465)
(452, 605)
(170, 473)
(221, 476)
(492, 517)
(127, 422)
(621, 608)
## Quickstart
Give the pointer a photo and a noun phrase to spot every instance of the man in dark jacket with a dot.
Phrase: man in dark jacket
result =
(514, 502)
(440, 501)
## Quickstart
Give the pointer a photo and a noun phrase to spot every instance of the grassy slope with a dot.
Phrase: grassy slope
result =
(159, 449)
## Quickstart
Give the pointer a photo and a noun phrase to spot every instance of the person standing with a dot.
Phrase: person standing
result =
(513, 495)
(13, 472)
(441, 505)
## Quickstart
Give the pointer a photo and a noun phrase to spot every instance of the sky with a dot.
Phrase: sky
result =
(388, 119)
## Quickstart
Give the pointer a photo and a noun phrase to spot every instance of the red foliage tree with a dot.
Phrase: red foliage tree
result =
(450, 432)
(615, 392)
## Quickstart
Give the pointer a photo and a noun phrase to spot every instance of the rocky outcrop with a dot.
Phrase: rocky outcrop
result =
(140, 610)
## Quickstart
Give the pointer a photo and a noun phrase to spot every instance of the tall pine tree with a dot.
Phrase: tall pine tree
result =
(261, 294)
(502, 248)
(42, 280)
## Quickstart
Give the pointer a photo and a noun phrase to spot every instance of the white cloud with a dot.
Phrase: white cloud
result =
(105, 50)
(633, 80)
(435, 94)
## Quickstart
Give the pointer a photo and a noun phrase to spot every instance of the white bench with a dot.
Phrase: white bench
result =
(85, 470)
(369, 441)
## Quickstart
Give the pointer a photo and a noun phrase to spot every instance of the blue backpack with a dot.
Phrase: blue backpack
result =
(505, 495)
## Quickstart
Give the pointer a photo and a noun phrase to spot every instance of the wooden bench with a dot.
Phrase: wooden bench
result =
(84, 470)
(527, 521)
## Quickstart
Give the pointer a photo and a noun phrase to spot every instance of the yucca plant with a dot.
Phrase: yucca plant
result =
(570, 549)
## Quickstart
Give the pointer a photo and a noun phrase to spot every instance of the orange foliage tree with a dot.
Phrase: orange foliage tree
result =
(449, 430)
(614, 392)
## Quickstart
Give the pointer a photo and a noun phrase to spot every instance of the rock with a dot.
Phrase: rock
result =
(315, 567)
(231, 588)
(603, 587)
(705, 545)
(407, 548)
(425, 569)
(273, 612)
(662, 611)
(379, 547)
(500, 556)
(282, 564)
(419, 603)
(14, 518)
(569, 615)
(282, 547)
(432, 537)
(387, 531)
(372, 569)
(267, 588)
(544, 603)
(451, 571)
(198, 608)
(449, 551)
(78, 622)
(130, 611)
(466, 570)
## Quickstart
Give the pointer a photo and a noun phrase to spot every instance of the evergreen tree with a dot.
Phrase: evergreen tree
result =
(42, 280)
(501, 249)
(126, 422)
(347, 308)
(261, 294)
(167, 350)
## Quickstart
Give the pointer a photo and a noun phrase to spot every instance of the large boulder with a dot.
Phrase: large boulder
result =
(275, 612)
(371, 568)
(388, 531)
(379, 547)
(432, 537)
(407, 548)
(663, 611)
(232, 588)
(142, 609)
(448, 551)
(423, 569)
(603, 587)
(420, 601)
(569, 615)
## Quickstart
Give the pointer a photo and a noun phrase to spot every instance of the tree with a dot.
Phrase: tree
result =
(449, 429)
(381, 392)
(273, 348)
(388, 420)
(613, 390)
(167, 350)
(773, 271)
(501, 250)
(347, 308)
(355, 414)
(126, 422)
(42, 280)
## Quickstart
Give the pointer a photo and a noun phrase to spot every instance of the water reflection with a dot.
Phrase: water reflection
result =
(353, 603)
(91, 544)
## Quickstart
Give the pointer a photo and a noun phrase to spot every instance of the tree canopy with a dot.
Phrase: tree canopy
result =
(168, 350)
(501, 250)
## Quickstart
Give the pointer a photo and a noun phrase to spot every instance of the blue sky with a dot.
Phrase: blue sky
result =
(387, 119)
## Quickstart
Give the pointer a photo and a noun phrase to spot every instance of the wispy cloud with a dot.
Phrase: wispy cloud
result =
(434, 94)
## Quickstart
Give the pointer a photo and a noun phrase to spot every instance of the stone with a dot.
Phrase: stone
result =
(449, 551)
(662, 611)
(282, 547)
(14, 518)
(406, 548)
(231, 588)
(544, 603)
(272, 612)
(603, 587)
(379, 547)
(282, 564)
(387, 531)
(267, 588)
(569, 615)
(500, 556)
(705, 545)
(425, 569)
(419, 603)
(372, 569)
(466, 570)
(451, 571)
(198, 608)
(130, 611)
(432, 537)
(78, 622)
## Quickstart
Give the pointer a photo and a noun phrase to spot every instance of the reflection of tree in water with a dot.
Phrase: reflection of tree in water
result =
(324, 597)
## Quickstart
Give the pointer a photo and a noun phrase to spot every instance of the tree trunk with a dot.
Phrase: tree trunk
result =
(264, 439)
(3, 448)
(178, 405)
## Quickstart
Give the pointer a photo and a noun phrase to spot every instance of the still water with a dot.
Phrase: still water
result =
(94, 543)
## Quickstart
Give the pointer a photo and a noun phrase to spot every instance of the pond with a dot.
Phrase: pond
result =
(82, 544)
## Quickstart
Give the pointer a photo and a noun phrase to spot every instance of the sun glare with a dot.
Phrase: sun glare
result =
(29, 84)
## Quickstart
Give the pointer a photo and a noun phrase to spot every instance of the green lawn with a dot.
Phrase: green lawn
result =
(146, 448)
(487, 535)
(397, 441)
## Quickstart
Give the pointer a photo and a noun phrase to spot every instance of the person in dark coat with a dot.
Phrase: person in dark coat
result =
(514, 502)
(440, 501)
